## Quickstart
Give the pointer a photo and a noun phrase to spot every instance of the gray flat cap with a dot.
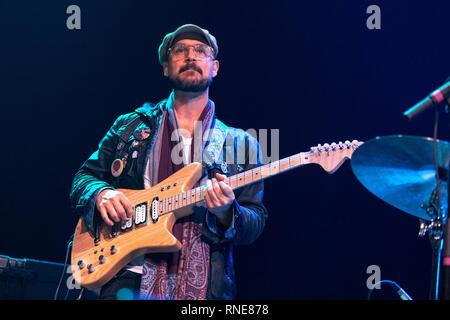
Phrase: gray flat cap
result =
(187, 28)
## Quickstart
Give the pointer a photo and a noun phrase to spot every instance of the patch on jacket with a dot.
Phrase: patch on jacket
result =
(141, 133)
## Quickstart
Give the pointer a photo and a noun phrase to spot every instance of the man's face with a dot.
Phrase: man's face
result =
(189, 72)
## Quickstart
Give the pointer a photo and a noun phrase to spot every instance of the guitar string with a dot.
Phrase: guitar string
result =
(273, 168)
(197, 195)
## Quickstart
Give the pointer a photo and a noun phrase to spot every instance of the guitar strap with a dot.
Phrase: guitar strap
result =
(211, 154)
(213, 150)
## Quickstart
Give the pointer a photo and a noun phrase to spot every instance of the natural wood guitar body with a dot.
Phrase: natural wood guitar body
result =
(100, 262)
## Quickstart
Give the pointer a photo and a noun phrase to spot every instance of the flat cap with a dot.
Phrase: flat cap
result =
(168, 40)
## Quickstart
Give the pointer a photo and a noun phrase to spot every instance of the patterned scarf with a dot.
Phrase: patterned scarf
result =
(180, 275)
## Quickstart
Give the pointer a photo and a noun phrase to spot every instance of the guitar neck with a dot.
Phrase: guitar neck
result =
(236, 181)
(268, 170)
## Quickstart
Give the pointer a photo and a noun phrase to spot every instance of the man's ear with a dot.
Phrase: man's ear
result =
(165, 68)
(215, 67)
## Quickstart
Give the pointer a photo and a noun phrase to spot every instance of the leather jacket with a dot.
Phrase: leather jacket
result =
(249, 213)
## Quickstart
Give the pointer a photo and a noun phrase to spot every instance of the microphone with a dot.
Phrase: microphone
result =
(436, 97)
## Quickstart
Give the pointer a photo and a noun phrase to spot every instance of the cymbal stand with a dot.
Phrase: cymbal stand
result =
(435, 231)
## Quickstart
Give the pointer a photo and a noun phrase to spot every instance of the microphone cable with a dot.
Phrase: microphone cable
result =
(69, 244)
(401, 293)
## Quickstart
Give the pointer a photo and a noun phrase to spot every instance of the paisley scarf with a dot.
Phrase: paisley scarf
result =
(180, 275)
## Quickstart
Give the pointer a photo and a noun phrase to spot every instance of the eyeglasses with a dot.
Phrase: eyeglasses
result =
(180, 51)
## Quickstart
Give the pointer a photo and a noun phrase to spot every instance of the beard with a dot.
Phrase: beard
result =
(190, 85)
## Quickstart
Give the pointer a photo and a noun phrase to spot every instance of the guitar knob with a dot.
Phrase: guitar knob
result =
(90, 268)
(80, 264)
(102, 259)
(113, 249)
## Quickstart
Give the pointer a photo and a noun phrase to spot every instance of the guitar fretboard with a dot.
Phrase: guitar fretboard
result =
(235, 182)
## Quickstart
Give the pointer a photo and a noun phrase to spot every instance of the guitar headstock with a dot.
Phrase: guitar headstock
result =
(332, 156)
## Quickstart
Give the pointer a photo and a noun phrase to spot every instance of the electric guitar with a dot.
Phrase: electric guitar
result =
(97, 255)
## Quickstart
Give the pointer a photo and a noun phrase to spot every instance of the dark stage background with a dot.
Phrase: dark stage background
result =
(311, 69)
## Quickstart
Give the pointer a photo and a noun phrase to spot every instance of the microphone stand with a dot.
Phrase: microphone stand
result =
(446, 262)
(445, 294)
(439, 228)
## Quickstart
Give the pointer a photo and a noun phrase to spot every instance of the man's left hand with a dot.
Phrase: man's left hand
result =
(219, 197)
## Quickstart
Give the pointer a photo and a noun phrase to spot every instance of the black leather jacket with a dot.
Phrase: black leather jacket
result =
(249, 213)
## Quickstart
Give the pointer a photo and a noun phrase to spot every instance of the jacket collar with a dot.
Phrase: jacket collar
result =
(149, 109)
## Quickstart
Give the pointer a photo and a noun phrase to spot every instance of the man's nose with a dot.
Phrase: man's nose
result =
(190, 56)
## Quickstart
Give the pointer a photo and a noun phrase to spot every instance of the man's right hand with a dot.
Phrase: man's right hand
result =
(113, 206)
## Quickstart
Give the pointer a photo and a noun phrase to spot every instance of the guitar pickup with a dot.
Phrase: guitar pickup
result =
(140, 214)
(154, 214)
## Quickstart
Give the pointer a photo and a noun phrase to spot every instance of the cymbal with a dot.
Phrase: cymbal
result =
(400, 170)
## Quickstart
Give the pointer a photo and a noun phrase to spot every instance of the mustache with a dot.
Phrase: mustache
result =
(191, 66)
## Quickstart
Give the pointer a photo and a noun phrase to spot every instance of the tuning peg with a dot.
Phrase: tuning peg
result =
(333, 146)
(319, 148)
(326, 147)
(348, 144)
